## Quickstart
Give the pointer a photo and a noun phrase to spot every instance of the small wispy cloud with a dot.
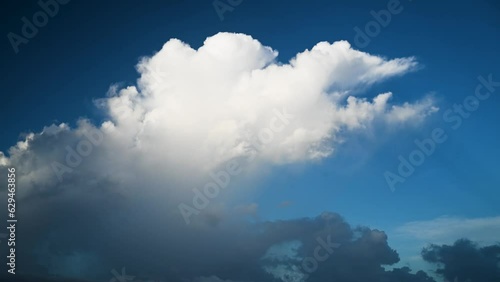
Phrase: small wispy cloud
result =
(447, 229)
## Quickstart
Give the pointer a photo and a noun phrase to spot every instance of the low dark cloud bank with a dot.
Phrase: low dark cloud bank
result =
(93, 223)
(465, 261)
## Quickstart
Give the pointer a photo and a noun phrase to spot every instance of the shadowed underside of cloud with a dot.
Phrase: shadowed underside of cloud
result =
(90, 244)
(253, 252)
(111, 199)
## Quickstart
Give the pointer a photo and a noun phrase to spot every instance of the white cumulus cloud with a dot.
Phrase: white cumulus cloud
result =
(207, 106)
(192, 110)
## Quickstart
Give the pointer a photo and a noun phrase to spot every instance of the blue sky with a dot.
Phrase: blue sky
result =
(86, 48)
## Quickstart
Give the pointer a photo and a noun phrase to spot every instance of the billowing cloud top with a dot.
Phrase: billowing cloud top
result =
(209, 105)
(204, 107)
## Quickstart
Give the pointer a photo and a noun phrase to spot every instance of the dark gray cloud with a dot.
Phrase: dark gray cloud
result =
(109, 213)
(465, 261)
